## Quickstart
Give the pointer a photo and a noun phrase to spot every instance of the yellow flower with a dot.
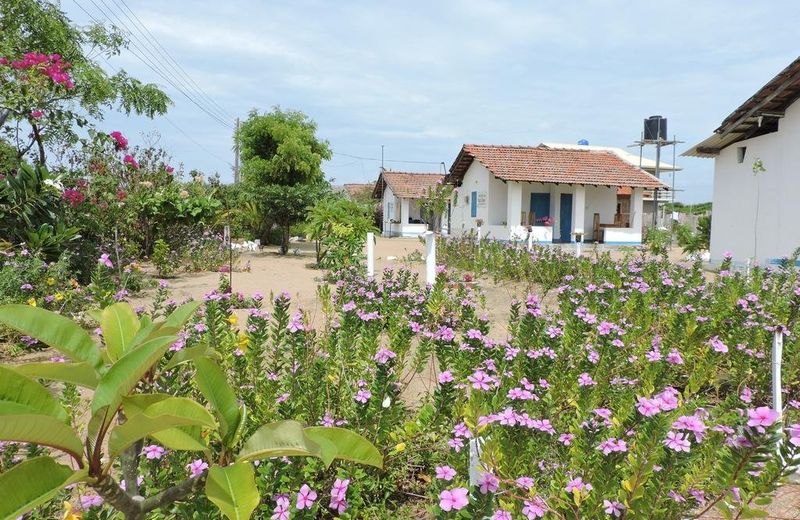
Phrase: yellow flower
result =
(244, 341)
(233, 320)
(32, 302)
(69, 514)
(59, 296)
(400, 447)
(51, 281)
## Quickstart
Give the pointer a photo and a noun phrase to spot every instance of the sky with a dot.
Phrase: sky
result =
(423, 78)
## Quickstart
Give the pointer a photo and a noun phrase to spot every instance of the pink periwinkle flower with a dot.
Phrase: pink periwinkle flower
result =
(586, 380)
(105, 259)
(453, 500)
(90, 501)
(488, 483)
(577, 484)
(197, 467)
(153, 452)
(677, 441)
(306, 497)
(761, 417)
(445, 377)
(384, 355)
(445, 473)
(534, 508)
(613, 508)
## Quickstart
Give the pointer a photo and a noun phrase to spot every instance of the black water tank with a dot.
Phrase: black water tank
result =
(655, 127)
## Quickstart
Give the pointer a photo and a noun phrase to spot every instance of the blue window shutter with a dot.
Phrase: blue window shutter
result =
(473, 200)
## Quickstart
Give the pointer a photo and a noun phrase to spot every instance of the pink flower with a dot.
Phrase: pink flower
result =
(169, 169)
(445, 473)
(338, 494)
(445, 377)
(502, 515)
(613, 508)
(384, 355)
(37, 114)
(89, 501)
(281, 511)
(120, 142)
(363, 396)
(718, 345)
(648, 407)
(794, 434)
(153, 452)
(677, 442)
(577, 484)
(762, 416)
(454, 499)
(488, 483)
(746, 395)
(130, 161)
(586, 380)
(480, 380)
(534, 508)
(197, 467)
(306, 497)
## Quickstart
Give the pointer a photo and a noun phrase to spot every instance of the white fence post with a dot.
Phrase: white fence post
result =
(475, 471)
(578, 247)
(530, 241)
(479, 237)
(430, 257)
(777, 358)
(370, 255)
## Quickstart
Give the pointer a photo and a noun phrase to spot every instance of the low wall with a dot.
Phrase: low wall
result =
(622, 236)
(404, 230)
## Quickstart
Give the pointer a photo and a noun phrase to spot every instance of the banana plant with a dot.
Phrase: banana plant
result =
(117, 372)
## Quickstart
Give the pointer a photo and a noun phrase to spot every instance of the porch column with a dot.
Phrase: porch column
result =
(637, 208)
(514, 204)
(579, 210)
(403, 211)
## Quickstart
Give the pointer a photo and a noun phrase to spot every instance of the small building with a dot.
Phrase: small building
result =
(556, 194)
(358, 192)
(400, 194)
(756, 183)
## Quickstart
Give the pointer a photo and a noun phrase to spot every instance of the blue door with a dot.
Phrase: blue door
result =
(565, 217)
(473, 201)
(540, 207)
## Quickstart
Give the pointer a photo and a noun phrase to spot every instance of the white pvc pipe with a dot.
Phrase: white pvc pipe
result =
(430, 258)
(479, 237)
(577, 248)
(530, 241)
(475, 471)
(370, 255)
(777, 358)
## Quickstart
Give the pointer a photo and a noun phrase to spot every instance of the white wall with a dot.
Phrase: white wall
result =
(476, 179)
(738, 193)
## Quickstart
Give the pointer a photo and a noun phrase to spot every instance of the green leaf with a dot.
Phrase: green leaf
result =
(279, 439)
(233, 490)
(189, 354)
(213, 384)
(21, 395)
(39, 429)
(346, 444)
(81, 374)
(124, 375)
(120, 324)
(52, 329)
(32, 483)
(145, 424)
(182, 438)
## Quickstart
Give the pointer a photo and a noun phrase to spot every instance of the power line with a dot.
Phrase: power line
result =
(167, 56)
(134, 41)
(386, 160)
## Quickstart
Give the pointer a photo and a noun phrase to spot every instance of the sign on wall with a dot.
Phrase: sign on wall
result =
(482, 199)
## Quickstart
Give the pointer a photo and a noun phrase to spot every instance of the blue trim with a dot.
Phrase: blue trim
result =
(473, 201)
(565, 223)
(622, 243)
(780, 261)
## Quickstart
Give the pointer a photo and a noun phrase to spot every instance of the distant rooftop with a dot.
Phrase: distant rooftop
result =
(406, 184)
(625, 155)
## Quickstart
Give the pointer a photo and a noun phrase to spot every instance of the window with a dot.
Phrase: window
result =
(474, 204)
(740, 153)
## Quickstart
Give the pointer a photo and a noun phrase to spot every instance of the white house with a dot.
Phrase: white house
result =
(756, 213)
(562, 194)
(400, 194)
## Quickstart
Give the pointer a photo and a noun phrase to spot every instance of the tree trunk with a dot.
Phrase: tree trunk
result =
(285, 240)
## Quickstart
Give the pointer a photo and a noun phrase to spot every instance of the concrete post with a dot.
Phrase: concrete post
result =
(513, 204)
(637, 208)
(777, 358)
(530, 241)
(370, 255)
(430, 258)
(579, 211)
(403, 211)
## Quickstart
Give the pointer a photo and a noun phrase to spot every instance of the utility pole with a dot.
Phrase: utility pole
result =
(236, 178)
(381, 157)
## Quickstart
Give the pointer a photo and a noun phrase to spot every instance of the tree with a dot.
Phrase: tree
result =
(434, 204)
(282, 165)
(51, 82)
(339, 227)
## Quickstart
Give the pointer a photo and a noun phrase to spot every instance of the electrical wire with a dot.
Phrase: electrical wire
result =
(386, 160)
(139, 52)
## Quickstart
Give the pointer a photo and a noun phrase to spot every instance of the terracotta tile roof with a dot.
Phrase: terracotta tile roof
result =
(356, 190)
(406, 184)
(562, 166)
